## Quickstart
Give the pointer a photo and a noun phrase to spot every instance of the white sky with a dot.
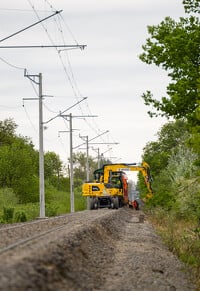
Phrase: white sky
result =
(108, 72)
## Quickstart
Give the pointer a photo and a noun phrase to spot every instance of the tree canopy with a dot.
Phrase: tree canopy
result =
(175, 46)
(19, 165)
(7, 131)
(191, 5)
(175, 180)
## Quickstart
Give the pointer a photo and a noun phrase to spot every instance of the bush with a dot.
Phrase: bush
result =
(80, 201)
(181, 235)
(8, 214)
(56, 203)
(20, 216)
(8, 197)
(51, 209)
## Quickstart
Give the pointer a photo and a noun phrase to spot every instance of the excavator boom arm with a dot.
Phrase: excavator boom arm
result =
(144, 168)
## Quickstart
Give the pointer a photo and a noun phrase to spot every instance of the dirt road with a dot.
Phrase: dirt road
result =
(112, 250)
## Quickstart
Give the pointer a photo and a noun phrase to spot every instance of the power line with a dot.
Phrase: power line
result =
(60, 114)
(52, 111)
(70, 76)
(42, 46)
(49, 4)
(11, 65)
(22, 10)
(68, 70)
(28, 116)
(27, 27)
(58, 51)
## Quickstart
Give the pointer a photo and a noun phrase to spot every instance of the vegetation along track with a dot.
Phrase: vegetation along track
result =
(89, 250)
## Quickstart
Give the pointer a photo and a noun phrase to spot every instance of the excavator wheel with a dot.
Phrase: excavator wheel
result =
(116, 202)
(112, 205)
(95, 203)
(91, 203)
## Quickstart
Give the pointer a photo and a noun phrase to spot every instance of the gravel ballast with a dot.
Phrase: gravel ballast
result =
(96, 250)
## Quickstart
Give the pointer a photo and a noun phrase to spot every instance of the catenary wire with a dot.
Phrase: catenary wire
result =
(29, 119)
(94, 128)
(22, 10)
(52, 42)
(70, 76)
(11, 65)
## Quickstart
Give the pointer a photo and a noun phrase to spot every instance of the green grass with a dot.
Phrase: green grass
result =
(56, 203)
(182, 236)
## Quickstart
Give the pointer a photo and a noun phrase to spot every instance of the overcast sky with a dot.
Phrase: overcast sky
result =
(108, 72)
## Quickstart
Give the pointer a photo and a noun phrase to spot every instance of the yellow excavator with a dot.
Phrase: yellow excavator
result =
(110, 186)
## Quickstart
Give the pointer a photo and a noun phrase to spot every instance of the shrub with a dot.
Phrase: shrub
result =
(20, 216)
(8, 214)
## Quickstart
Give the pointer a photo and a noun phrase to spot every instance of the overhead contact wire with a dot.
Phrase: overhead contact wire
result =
(73, 84)
(52, 42)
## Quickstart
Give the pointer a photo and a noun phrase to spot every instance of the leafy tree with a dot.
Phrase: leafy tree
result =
(171, 137)
(79, 161)
(52, 164)
(7, 131)
(18, 169)
(52, 168)
(184, 182)
(181, 164)
(19, 166)
(194, 140)
(191, 5)
(175, 47)
(64, 183)
(158, 152)
(155, 157)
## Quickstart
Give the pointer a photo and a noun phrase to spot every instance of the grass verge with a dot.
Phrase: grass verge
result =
(182, 236)
(56, 203)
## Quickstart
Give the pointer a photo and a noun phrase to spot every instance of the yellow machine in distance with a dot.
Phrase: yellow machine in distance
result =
(110, 186)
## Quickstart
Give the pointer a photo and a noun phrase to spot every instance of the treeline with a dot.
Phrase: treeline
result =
(19, 177)
(19, 165)
(174, 208)
(175, 171)
(175, 156)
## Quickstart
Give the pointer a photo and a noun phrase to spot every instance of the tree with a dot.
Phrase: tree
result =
(79, 161)
(19, 169)
(184, 182)
(175, 47)
(191, 5)
(52, 167)
(171, 137)
(19, 165)
(7, 131)
(157, 153)
(52, 164)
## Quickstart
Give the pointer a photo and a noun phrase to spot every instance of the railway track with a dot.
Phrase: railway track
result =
(21, 241)
(13, 236)
(91, 250)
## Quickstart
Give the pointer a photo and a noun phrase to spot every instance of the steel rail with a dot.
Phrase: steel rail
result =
(24, 241)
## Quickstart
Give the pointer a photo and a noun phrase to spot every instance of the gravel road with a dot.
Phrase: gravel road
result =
(93, 250)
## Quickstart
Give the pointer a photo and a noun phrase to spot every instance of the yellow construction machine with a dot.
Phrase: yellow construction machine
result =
(110, 186)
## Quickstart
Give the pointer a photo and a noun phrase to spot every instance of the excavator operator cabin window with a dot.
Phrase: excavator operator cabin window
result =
(95, 188)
